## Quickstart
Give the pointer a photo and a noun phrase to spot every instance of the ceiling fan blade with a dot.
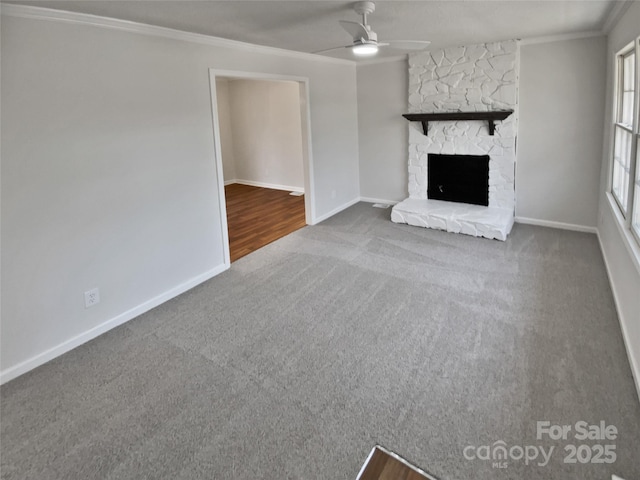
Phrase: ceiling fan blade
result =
(409, 44)
(355, 29)
(332, 49)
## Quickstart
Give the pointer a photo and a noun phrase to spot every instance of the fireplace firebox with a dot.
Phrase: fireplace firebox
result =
(459, 178)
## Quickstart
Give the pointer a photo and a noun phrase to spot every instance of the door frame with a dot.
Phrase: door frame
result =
(307, 156)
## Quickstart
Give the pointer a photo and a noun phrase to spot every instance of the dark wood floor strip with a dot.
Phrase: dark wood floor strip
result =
(384, 465)
(258, 216)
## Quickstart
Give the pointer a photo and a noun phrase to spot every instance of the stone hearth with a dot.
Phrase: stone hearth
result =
(476, 220)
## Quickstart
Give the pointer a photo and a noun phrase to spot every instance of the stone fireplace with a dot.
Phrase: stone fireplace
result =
(477, 78)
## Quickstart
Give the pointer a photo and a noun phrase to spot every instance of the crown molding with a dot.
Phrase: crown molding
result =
(561, 38)
(617, 11)
(40, 13)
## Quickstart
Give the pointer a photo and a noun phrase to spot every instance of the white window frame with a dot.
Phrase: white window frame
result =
(626, 212)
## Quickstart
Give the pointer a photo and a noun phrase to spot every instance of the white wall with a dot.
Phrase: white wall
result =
(267, 133)
(562, 90)
(226, 130)
(624, 269)
(383, 133)
(108, 171)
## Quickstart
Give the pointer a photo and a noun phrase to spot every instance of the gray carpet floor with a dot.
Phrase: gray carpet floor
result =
(304, 355)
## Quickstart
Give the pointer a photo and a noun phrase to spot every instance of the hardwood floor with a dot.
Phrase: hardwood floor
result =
(258, 216)
(384, 465)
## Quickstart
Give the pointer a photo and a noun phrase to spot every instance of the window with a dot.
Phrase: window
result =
(625, 178)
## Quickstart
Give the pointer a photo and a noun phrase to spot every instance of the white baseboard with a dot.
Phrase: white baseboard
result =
(378, 200)
(42, 358)
(322, 218)
(273, 186)
(635, 367)
(552, 224)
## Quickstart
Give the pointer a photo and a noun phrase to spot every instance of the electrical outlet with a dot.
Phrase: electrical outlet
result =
(91, 297)
(333, 194)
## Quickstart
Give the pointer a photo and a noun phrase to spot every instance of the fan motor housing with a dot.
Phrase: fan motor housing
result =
(373, 36)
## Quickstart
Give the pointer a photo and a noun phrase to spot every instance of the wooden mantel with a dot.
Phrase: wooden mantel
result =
(425, 118)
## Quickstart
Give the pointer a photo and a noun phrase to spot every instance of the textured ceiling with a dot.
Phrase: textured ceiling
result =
(310, 26)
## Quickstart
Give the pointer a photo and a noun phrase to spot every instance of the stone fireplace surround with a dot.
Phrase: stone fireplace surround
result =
(472, 78)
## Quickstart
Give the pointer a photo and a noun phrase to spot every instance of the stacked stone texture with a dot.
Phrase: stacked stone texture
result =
(465, 79)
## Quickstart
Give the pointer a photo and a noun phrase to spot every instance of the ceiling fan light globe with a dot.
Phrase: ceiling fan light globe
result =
(365, 49)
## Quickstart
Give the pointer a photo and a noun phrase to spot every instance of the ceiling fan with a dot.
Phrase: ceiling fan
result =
(365, 40)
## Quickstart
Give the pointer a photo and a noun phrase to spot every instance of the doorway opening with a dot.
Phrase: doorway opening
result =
(263, 158)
